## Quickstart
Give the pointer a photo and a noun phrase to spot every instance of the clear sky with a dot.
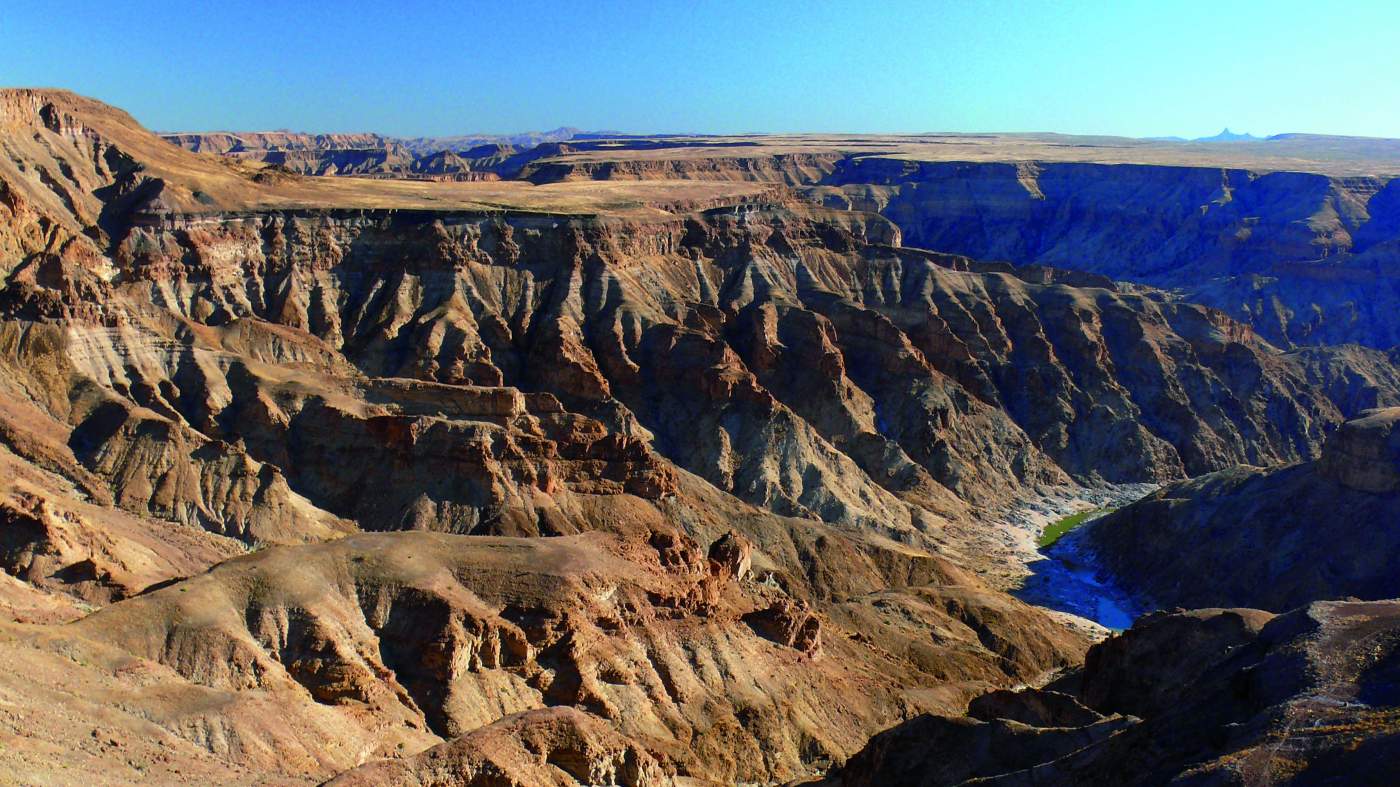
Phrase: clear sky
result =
(1184, 67)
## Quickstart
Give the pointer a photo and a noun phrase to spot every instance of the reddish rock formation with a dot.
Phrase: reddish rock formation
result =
(789, 623)
(731, 556)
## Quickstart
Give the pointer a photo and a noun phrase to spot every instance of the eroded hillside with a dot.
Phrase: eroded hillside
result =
(702, 460)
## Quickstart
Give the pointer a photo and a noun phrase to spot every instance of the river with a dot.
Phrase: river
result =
(1066, 579)
(1064, 576)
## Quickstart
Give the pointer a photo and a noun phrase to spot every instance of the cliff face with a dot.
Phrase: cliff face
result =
(247, 142)
(1272, 539)
(1126, 221)
(1299, 244)
(1364, 454)
(361, 155)
(1304, 258)
(792, 169)
(532, 157)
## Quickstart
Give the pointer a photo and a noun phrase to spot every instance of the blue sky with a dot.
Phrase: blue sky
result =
(1127, 67)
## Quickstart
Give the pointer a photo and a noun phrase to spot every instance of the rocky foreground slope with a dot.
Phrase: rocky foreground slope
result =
(1269, 538)
(703, 462)
(1234, 696)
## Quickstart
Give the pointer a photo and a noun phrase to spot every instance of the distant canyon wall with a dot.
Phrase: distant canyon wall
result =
(1303, 258)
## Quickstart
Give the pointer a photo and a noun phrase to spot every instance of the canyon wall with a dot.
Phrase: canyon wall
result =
(708, 464)
(1304, 258)
(797, 357)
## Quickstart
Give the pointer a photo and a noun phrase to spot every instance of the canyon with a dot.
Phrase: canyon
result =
(582, 459)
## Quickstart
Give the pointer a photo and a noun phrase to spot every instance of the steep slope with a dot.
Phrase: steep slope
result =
(1205, 697)
(1304, 258)
(1272, 539)
(77, 711)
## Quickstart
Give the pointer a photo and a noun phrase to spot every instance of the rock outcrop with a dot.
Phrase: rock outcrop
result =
(731, 555)
(1206, 697)
(547, 747)
(1268, 538)
(1364, 454)
(789, 623)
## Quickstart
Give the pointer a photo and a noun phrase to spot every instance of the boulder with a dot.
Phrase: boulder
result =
(731, 555)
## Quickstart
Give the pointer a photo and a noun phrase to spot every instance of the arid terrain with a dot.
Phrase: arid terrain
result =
(585, 459)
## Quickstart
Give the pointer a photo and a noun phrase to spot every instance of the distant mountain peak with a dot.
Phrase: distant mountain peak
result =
(1228, 136)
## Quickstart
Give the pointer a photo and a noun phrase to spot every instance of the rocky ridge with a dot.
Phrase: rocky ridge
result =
(381, 645)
